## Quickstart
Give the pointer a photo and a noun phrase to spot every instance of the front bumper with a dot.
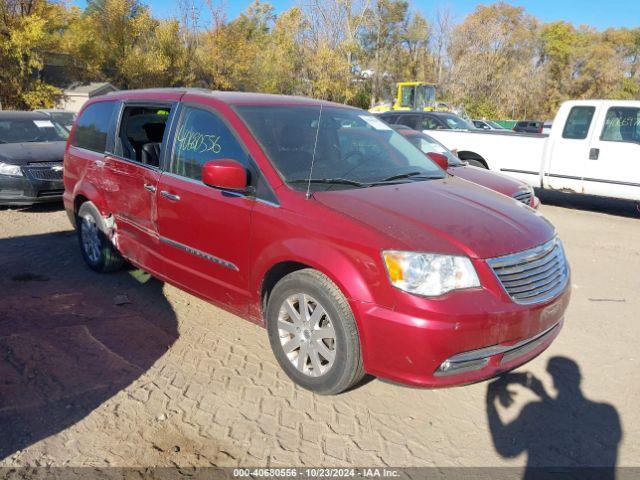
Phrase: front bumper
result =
(482, 330)
(27, 190)
(480, 358)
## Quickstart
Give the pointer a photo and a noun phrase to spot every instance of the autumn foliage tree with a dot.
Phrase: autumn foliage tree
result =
(28, 28)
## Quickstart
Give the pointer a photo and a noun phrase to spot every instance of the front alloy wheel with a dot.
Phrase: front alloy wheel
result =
(306, 334)
(313, 333)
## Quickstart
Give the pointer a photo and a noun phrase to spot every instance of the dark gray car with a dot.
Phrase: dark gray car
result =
(31, 150)
(528, 126)
(419, 120)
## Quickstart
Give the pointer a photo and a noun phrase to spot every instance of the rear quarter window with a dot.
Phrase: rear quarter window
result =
(578, 123)
(92, 127)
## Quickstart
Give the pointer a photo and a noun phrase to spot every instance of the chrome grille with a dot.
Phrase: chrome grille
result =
(533, 275)
(45, 170)
(523, 196)
(45, 164)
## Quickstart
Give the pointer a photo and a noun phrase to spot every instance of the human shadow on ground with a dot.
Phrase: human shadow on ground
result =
(70, 338)
(565, 437)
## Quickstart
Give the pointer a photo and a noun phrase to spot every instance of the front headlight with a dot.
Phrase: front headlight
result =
(429, 274)
(12, 170)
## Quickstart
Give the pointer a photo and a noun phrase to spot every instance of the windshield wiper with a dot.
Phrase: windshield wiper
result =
(340, 181)
(401, 175)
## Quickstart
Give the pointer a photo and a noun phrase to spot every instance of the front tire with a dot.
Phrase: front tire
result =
(97, 250)
(313, 333)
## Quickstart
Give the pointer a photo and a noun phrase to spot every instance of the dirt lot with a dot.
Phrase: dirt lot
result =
(121, 370)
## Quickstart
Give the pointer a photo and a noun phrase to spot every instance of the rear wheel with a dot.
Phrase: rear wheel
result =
(313, 334)
(97, 250)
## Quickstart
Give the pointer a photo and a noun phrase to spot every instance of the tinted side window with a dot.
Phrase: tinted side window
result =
(429, 123)
(410, 121)
(391, 119)
(578, 123)
(201, 137)
(92, 127)
(622, 124)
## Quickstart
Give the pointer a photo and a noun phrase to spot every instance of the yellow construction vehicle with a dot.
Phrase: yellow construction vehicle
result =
(412, 96)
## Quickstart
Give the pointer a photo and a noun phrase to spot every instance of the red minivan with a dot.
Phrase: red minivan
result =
(317, 220)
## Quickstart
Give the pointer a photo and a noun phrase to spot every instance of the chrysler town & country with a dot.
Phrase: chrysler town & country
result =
(320, 222)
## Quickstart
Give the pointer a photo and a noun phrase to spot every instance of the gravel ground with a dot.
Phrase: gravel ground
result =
(121, 370)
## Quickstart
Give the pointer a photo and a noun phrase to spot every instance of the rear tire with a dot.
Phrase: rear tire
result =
(313, 333)
(97, 250)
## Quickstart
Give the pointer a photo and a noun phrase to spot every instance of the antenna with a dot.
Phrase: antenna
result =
(313, 157)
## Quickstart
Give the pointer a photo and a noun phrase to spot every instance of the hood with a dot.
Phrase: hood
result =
(449, 216)
(31, 152)
(493, 180)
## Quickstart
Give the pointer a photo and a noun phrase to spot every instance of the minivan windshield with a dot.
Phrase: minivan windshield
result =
(352, 148)
(31, 130)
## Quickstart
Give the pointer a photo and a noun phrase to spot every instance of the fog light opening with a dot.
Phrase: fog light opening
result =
(455, 368)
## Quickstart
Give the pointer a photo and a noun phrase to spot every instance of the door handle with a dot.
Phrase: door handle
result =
(170, 196)
(151, 188)
(594, 153)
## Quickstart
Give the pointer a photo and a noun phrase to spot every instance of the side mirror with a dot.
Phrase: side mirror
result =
(225, 174)
(441, 160)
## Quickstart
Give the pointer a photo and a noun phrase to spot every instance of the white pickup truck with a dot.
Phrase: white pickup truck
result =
(593, 148)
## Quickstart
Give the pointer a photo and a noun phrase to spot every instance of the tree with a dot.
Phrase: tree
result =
(282, 65)
(416, 61)
(441, 41)
(493, 54)
(381, 38)
(559, 41)
(27, 30)
(626, 44)
(230, 53)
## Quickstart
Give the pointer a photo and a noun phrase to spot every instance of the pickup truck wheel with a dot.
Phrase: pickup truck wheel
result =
(313, 334)
(476, 163)
(97, 250)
